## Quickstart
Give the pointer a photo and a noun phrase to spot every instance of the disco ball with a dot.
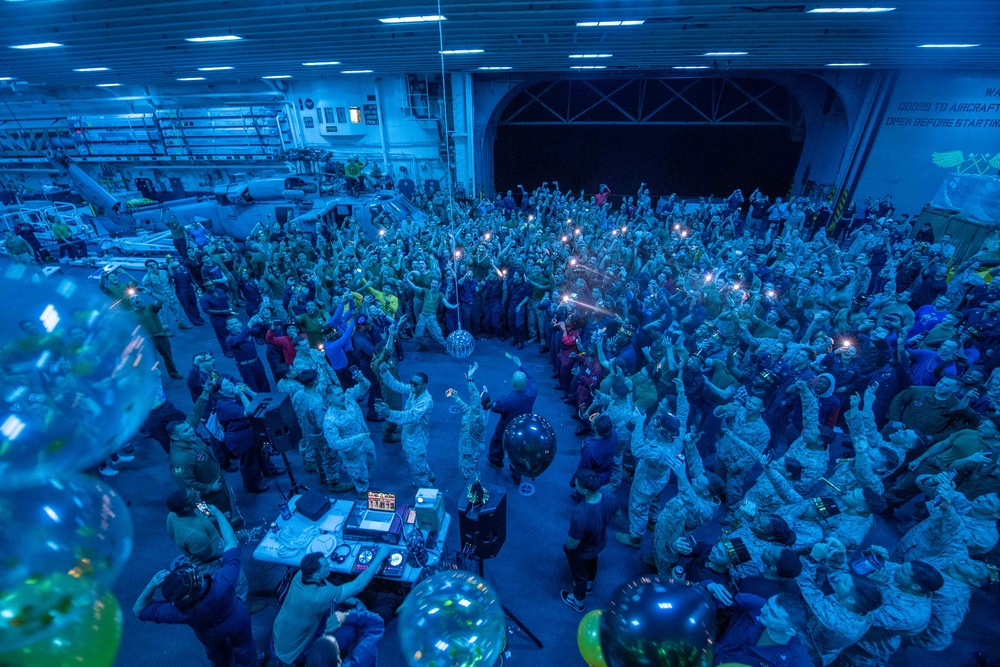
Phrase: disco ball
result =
(460, 343)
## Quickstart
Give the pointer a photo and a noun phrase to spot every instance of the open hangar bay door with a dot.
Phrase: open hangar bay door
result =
(692, 136)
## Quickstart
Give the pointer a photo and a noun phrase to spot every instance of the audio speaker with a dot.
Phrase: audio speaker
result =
(484, 527)
(274, 422)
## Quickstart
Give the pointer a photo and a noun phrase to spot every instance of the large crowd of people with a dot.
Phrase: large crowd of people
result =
(756, 380)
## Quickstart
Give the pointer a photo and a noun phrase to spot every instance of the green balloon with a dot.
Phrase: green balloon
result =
(91, 639)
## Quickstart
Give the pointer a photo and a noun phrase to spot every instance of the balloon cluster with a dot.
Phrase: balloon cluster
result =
(76, 382)
(451, 619)
(652, 622)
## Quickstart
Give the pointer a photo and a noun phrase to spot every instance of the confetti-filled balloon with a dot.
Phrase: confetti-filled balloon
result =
(530, 442)
(658, 622)
(460, 343)
(451, 619)
(61, 544)
(76, 376)
(91, 639)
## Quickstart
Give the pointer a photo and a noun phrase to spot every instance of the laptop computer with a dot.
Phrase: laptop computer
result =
(380, 512)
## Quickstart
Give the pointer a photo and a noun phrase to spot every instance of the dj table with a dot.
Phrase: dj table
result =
(296, 537)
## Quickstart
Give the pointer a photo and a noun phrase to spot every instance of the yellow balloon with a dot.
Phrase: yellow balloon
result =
(588, 638)
(92, 640)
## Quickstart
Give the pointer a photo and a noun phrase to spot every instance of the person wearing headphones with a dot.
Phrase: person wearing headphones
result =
(205, 602)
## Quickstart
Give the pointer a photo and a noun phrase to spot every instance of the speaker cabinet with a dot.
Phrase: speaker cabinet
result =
(274, 422)
(484, 528)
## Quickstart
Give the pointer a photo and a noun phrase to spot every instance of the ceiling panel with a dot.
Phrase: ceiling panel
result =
(143, 42)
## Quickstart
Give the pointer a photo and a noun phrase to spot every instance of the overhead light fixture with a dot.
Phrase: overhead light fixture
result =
(946, 46)
(430, 18)
(6, 78)
(322, 63)
(108, 85)
(191, 78)
(494, 68)
(213, 38)
(850, 10)
(690, 67)
(726, 53)
(278, 76)
(214, 69)
(607, 24)
(588, 67)
(38, 45)
(848, 64)
(92, 69)
(591, 55)
(356, 71)
(460, 52)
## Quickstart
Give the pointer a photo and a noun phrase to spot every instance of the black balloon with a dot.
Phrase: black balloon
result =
(530, 442)
(658, 622)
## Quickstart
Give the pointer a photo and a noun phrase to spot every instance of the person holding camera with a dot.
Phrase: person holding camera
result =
(207, 602)
(233, 412)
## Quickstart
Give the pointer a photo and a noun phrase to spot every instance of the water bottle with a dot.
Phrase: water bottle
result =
(678, 573)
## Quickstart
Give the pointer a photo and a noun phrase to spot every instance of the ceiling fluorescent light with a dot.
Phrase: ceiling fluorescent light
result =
(108, 85)
(607, 24)
(850, 10)
(588, 67)
(37, 45)
(433, 18)
(591, 55)
(493, 69)
(191, 78)
(322, 63)
(691, 67)
(460, 52)
(356, 71)
(278, 76)
(6, 78)
(91, 69)
(946, 46)
(725, 53)
(213, 38)
(214, 69)
(848, 64)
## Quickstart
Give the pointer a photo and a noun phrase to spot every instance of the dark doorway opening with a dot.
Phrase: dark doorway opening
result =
(691, 160)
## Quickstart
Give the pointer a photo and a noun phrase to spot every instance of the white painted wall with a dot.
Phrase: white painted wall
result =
(931, 112)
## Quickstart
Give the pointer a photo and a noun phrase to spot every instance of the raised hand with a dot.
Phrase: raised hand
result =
(720, 593)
